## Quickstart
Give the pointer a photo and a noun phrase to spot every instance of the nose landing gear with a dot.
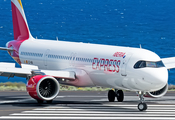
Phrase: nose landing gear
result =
(142, 106)
(117, 93)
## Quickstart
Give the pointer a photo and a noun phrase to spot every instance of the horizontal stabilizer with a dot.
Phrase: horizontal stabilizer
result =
(7, 49)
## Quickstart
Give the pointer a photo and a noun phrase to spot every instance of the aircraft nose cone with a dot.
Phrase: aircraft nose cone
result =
(161, 77)
(154, 79)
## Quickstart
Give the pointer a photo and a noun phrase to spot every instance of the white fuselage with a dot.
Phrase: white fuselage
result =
(96, 65)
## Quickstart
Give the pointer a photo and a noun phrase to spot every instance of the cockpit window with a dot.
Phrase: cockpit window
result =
(142, 64)
(151, 64)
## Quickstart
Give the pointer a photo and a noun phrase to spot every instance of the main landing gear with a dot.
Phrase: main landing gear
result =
(142, 106)
(117, 93)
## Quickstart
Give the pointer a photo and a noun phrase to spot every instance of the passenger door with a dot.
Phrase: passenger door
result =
(45, 58)
(124, 64)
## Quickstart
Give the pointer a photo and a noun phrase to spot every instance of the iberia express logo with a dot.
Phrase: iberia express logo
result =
(119, 54)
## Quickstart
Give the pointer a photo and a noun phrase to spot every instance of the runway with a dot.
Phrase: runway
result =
(85, 105)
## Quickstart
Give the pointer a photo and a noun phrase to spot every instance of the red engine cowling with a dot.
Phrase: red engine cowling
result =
(43, 87)
(158, 93)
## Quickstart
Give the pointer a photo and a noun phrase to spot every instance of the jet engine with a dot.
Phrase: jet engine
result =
(43, 87)
(158, 93)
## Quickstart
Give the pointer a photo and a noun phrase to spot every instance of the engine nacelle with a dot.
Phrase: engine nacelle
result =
(158, 93)
(43, 87)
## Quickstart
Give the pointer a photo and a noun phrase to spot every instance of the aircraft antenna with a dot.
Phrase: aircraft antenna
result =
(140, 46)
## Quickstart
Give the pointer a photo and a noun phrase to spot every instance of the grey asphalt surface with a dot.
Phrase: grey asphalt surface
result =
(18, 102)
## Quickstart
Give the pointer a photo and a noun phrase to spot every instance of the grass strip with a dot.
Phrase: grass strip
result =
(14, 86)
(10, 86)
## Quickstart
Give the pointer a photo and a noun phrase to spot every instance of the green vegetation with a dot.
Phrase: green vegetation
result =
(171, 87)
(72, 88)
(9, 86)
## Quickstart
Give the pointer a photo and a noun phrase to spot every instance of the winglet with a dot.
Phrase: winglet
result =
(20, 26)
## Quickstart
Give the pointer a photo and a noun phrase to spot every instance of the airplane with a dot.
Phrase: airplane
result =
(48, 63)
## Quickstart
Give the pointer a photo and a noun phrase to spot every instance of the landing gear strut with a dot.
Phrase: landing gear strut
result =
(117, 93)
(142, 106)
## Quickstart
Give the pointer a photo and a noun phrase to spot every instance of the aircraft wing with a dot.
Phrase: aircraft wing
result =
(9, 70)
(169, 62)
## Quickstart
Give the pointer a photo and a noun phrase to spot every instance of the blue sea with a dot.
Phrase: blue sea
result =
(130, 23)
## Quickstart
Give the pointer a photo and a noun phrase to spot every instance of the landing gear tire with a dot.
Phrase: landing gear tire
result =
(120, 95)
(111, 96)
(142, 106)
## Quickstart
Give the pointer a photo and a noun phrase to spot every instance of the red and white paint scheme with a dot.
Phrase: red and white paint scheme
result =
(47, 63)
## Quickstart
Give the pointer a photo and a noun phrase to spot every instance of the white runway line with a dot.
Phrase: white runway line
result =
(89, 112)
(112, 105)
(103, 105)
(60, 97)
(92, 105)
(107, 106)
(136, 105)
(109, 115)
(76, 96)
(107, 109)
(15, 101)
(89, 118)
(96, 112)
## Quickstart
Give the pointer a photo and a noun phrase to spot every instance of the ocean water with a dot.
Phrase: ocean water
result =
(130, 23)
